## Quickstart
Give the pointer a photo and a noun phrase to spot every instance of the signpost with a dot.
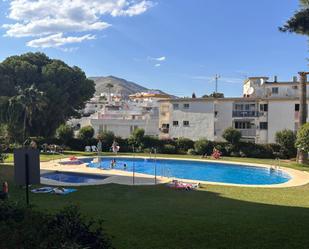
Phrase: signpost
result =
(27, 168)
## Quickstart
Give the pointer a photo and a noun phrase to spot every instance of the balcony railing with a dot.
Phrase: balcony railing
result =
(241, 114)
(248, 132)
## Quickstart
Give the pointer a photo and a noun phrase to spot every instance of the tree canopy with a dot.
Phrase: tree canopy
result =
(65, 90)
(299, 23)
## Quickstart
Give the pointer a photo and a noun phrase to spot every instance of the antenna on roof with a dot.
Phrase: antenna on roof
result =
(217, 77)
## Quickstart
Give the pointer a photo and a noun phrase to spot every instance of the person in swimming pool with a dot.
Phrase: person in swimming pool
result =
(124, 166)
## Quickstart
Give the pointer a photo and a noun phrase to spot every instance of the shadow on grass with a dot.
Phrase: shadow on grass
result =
(148, 217)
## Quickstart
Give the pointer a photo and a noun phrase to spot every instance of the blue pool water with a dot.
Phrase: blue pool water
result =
(194, 170)
(72, 177)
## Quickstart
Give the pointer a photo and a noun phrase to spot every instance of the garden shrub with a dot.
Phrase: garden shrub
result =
(107, 138)
(86, 133)
(184, 144)
(168, 149)
(286, 139)
(232, 135)
(203, 146)
(26, 228)
(65, 133)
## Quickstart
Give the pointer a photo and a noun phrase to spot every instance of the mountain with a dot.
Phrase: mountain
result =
(121, 86)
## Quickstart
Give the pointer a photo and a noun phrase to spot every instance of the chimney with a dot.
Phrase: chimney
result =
(276, 79)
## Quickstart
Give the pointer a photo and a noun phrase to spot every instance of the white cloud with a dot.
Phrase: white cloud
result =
(163, 58)
(57, 40)
(157, 65)
(49, 18)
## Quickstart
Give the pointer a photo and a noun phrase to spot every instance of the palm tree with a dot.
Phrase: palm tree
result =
(109, 87)
(301, 156)
(31, 100)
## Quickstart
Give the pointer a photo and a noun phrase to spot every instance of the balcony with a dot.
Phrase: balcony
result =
(247, 132)
(245, 114)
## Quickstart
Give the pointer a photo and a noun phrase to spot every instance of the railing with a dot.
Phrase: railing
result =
(240, 114)
(248, 132)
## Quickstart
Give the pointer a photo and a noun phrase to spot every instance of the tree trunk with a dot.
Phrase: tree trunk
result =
(301, 155)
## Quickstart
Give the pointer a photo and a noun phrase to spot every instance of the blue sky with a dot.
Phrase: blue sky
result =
(173, 45)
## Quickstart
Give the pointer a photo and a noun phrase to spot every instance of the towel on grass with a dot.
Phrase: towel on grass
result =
(58, 191)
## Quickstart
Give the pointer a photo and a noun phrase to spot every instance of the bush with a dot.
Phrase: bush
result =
(86, 133)
(124, 144)
(232, 136)
(107, 138)
(137, 139)
(302, 141)
(286, 139)
(65, 133)
(203, 146)
(191, 152)
(25, 228)
(150, 142)
(168, 149)
(184, 144)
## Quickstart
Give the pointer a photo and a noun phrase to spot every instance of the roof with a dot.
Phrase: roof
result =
(240, 99)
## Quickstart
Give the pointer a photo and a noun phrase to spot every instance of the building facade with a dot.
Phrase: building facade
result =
(258, 115)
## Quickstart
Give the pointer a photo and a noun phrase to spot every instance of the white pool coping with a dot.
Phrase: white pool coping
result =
(298, 178)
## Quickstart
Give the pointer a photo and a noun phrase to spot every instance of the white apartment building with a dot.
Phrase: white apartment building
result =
(258, 115)
(122, 117)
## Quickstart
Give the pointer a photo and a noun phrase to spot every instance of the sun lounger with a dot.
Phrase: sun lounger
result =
(43, 190)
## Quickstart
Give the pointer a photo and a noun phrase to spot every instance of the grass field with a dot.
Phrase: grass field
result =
(217, 217)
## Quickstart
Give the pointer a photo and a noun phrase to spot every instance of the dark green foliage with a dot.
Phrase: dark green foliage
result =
(298, 24)
(302, 142)
(150, 142)
(203, 146)
(184, 144)
(168, 149)
(25, 228)
(137, 139)
(286, 139)
(86, 133)
(65, 89)
(65, 133)
(214, 95)
(107, 138)
(232, 136)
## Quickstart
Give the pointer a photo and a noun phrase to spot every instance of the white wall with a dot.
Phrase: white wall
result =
(224, 118)
(201, 118)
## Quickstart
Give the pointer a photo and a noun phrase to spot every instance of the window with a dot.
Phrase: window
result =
(243, 125)
(175, 106)
(186, 106)
(275, 90)
(175, 123)
(186, 123)
(264, 107)
(263, 125)
(297, 107)
(295, 87)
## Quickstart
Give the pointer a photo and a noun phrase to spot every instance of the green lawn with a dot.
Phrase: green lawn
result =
(148, 217)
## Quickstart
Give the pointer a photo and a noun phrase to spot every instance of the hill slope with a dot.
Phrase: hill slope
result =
(121, 86)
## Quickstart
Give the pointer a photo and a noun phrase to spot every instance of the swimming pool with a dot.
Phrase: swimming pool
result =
(69, 177)
(196, 170)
